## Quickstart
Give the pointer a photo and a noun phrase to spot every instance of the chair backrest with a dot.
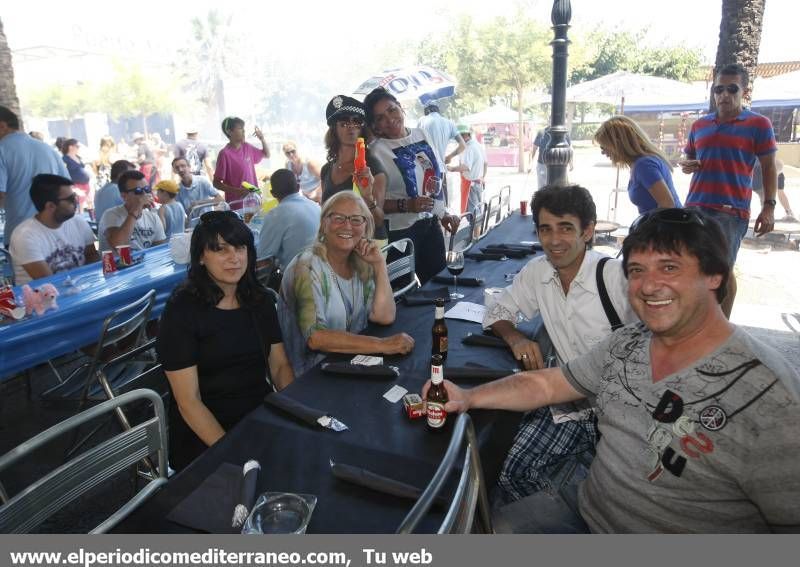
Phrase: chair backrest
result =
(493, 214)
(470, 498)
(128, 321)
(193, 217)
(403, 266)
(505, 201)
(6, 267)
(267, 270)
(479, 229)
(91, 468)
(462, 238)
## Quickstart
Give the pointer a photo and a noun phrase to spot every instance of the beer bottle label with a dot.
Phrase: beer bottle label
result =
(436, 414)
(442, 344)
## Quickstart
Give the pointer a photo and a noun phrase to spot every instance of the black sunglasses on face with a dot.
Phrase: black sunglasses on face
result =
(138, 190)
(356, 121)
(732, 89)
(669, 216)
(218, 216)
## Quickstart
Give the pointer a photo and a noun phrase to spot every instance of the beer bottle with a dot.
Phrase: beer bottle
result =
(439, 331)
(437, 396)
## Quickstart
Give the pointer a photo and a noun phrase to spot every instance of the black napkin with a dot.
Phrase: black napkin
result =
(426, 296)
(480, 256)
(379, 483)
(359, 370)
(475, 373)
(508, 252)
(463, 281)
(294, 408)
(484, 340)
(529, 248)
(247, 495)
(208, 507)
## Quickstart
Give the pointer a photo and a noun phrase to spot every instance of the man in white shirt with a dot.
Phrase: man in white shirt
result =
(54, 239)
(134, 222)
(473, 169)
(555, 445)
(439, 131)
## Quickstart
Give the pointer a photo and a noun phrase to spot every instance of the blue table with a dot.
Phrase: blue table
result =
(82, 307)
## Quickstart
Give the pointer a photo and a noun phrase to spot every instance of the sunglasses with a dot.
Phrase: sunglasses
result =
(288, 153)
(355, 121)
(218, 216)
(355, 220)
(732, 89)
(669, 216)
(73, 198)
(138, 190)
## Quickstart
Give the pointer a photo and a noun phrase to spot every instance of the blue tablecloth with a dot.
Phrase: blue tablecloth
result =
(82, 307)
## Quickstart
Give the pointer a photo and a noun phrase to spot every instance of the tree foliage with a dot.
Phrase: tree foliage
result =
(612, 51)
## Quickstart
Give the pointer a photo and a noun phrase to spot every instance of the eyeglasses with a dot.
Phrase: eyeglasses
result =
(138, 190)
(288, 153)
(732, 89)
(355, 220)
(354, 121)
(669, 216)
(73, 198)
(218, 216)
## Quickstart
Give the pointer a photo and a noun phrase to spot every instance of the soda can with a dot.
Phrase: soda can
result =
(124, 251)
(109, 265)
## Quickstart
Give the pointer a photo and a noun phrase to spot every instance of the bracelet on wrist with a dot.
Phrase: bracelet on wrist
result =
(371, 205)
(401, 205)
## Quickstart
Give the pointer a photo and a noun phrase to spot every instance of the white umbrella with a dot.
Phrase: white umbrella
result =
(419, 82)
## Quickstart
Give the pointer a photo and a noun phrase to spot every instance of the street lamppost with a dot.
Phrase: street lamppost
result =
(559, 153)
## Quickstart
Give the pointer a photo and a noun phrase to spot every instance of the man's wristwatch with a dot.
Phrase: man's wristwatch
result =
(770, 202)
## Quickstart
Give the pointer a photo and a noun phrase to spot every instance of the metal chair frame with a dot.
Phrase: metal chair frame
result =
(461, 240)
(128, 321)
(493, 214)
(402, 266)
(470, 503)
(77, 476)
(505, 201)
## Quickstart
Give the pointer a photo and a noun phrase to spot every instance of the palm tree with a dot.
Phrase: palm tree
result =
(8, 89)
(739, 35)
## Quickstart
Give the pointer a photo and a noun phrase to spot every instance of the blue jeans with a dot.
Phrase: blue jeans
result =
(733, 226)
(553, 510)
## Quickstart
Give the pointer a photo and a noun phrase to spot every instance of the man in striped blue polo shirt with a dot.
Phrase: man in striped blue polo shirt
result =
(721, 152)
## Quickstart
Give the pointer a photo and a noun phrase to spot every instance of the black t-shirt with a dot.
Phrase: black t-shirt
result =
(194, 152)
(231, 363)
(329, 188)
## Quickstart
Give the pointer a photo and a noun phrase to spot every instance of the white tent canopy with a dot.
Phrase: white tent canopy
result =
(779, 88)
(638, 90)
(493, 115)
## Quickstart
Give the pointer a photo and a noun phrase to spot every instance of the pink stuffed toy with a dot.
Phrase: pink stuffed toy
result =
(39, 299)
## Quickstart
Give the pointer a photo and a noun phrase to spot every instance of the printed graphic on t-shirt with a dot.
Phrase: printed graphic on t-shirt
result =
(684, 423)
(143, 235)
(65, 258)
(408, 157)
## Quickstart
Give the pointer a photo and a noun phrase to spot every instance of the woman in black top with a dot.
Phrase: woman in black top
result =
(345, 117)
(219, 340)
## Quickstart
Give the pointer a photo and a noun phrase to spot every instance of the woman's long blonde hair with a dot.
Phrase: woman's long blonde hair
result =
(319, 248)
(625, 141)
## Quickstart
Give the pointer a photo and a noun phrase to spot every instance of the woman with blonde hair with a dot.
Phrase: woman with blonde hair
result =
(333, 289)
(625, 143)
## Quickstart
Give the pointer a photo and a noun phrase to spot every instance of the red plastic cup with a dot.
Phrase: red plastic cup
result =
(523, 208)
(124, 252)
(109, 265)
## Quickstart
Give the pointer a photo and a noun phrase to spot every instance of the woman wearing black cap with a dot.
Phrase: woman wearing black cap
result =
(345, 117)
(414, 201)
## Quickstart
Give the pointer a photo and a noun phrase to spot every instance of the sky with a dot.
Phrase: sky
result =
(307, 30)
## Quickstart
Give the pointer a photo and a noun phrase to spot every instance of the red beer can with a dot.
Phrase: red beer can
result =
(109, 265)
(124, 251)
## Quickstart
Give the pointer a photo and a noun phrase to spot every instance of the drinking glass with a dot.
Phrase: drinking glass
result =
(455, 265)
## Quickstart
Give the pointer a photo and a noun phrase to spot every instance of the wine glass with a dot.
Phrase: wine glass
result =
(455, 265)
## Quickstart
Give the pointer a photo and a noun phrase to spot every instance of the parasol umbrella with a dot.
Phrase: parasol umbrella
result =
(420, 82)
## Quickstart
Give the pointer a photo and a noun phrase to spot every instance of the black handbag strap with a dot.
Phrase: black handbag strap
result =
(608, 307)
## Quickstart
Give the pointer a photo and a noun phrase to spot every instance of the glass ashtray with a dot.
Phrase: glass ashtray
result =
(280, 513)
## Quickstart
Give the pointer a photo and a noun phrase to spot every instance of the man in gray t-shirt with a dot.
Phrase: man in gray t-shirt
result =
(699, 420)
